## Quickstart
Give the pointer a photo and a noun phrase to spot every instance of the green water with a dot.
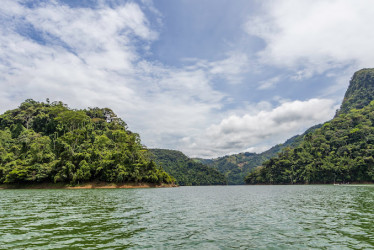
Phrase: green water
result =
(219, 217)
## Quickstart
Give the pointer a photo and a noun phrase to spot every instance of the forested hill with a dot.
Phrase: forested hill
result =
(49, 142)
(236, 167)
(185, 170)
(341, 150)
(360, 91)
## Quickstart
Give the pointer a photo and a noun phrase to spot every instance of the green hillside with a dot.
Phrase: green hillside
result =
(49, 142)
(186, 171)
(341, 150)
(236, 167)
(360, 91)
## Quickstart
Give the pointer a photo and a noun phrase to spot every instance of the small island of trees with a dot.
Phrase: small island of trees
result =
(51, 143)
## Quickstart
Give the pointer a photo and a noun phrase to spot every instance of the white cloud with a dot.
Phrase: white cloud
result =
(231, 68)
(263, 129)
(314, 36)
(91, 57)
(257, 149)
(270, 83)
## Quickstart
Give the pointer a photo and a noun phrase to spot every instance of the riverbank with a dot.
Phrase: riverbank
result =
(89, 185)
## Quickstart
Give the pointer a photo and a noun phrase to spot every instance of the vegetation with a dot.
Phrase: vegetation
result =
(360, 91)
(236, 167)
(341, 150)
(49, 142)
(185, 170)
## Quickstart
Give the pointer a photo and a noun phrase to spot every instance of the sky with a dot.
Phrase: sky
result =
(207, 77)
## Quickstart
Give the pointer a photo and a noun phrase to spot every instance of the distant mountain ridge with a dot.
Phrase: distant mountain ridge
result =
(235, 167)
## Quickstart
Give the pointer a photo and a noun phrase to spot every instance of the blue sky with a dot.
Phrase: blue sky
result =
(208, 78)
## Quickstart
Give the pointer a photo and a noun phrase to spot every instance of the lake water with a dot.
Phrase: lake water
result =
(216, 217)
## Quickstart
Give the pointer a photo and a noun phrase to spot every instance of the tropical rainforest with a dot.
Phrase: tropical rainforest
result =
(341, 151)
(49, 142)
(186, 171)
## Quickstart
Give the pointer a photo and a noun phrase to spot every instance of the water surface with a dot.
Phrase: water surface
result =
(216, 217)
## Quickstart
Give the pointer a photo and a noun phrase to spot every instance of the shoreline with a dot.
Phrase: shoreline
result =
(88, 185)
(310, 184)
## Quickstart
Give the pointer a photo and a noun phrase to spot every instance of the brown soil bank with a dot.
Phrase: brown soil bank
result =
(89, 185)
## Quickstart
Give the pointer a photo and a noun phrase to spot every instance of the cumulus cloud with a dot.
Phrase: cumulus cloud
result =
(80, 54)
(254, 132)
(314, 36)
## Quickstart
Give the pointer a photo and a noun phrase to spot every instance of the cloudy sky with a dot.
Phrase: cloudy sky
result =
(207, 77)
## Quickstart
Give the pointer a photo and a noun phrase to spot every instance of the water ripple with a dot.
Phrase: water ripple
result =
(222, 217)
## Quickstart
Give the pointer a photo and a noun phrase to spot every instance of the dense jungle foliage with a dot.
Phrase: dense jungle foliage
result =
(49, 142)
(185, 170)
(340, 151)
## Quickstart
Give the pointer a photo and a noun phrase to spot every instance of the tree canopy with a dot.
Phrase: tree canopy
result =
(49, 142)
(186, 171)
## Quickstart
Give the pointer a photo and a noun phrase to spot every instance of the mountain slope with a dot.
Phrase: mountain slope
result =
(342, 150)
(48, 142)
(236, 167)
(185, 170)
(360, 91)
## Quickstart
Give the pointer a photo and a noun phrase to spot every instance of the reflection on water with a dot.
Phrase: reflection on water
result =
(189, 217)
